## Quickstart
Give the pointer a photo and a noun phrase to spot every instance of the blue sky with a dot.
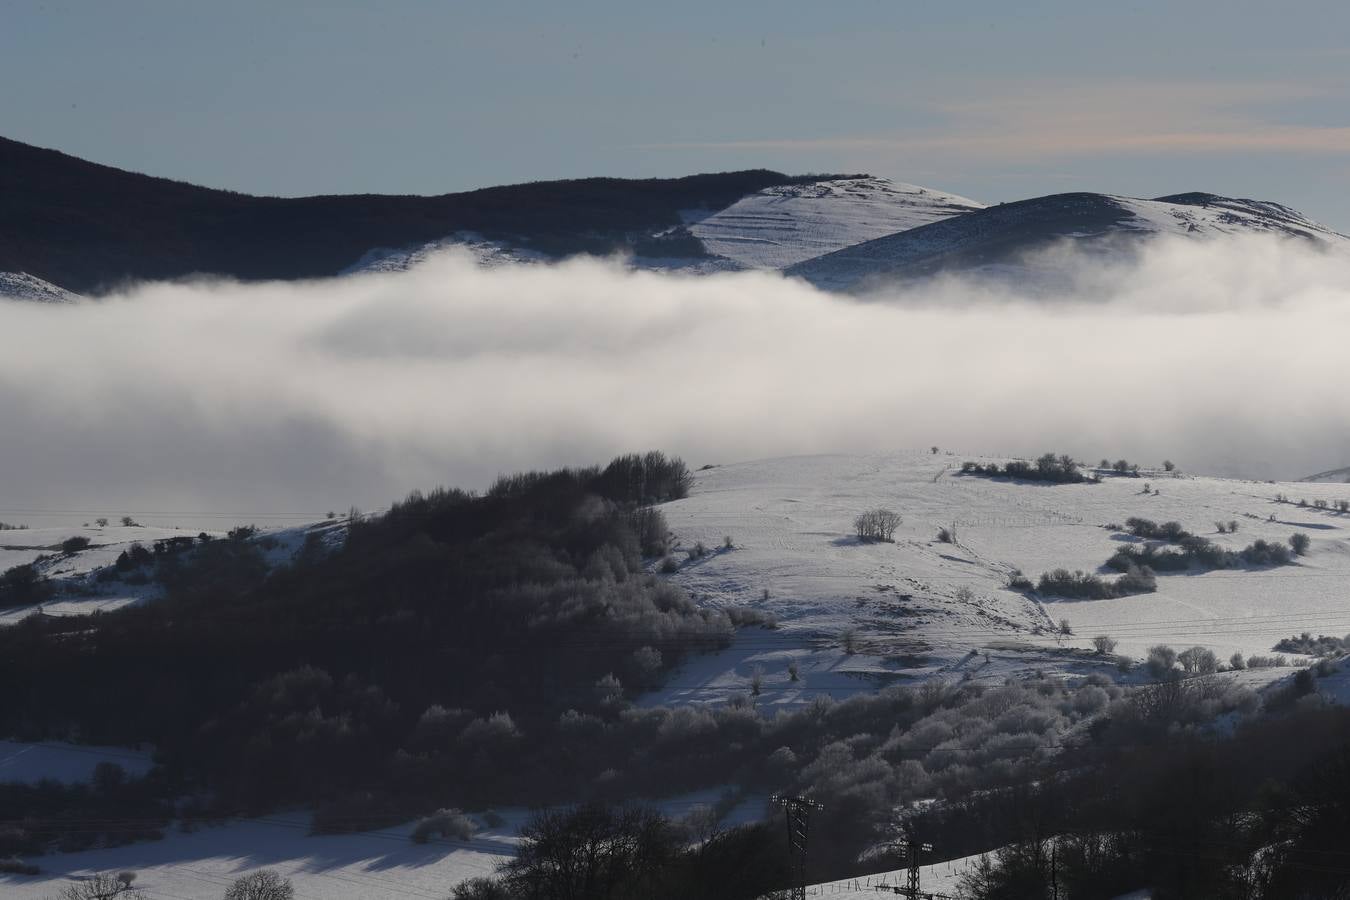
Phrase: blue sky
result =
(993, 100)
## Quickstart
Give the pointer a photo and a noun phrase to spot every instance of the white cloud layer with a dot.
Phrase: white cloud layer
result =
(1225, 356)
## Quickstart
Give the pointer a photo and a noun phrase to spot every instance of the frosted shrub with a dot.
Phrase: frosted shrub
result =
(1089, 700)
(448, 824)
(1162, 659)
(1104, 644)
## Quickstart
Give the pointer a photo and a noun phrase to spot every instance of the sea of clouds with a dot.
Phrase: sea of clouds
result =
(1226, 356)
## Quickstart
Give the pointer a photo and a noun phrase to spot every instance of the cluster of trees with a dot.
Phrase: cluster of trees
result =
(23, 585)
(1137, 579)
(604, 852)
(1307, 645)
(1047, 467)
(109, 811)
(414, 660)
(1258, 816)
(263, 884)
(1341, 506)
(876, 524)
(1124, 467)
(1197, 551)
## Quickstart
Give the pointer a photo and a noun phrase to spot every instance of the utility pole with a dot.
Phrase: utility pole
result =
(1054, 868)
(798, 811)
(913, 847)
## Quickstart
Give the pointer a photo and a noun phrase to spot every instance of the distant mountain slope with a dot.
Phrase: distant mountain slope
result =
(786, 224)
(1000, 236)
(1341, 475)
(85, 226)
(22, 286)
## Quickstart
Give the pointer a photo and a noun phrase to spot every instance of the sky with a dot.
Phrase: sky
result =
(991, 100)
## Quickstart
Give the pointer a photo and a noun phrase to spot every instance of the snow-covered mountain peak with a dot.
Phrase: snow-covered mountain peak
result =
(22, 286)
(996, 241)
(786, 224)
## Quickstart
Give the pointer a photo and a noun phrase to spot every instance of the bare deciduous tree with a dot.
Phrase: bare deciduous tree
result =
(261, 885)
(877, 524)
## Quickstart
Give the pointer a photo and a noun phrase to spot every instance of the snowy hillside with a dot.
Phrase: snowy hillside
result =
(1339, 476)
(994, 241)
(770, 229)
(22, 286)
(487, 253)
(854, 616)
(75, 576)
(780, 226)
(200, 864)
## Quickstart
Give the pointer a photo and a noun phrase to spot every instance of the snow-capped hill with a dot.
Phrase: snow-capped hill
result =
(786, 224)
(1337, 476)
(852, 614)
(1211, 214)
(487, 253)
(997, 240)
(22, 286)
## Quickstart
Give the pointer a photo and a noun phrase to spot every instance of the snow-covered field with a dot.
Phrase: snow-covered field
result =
(920, 608)
(939, 878)
(29, 763)
(779, 226)
(372, 864)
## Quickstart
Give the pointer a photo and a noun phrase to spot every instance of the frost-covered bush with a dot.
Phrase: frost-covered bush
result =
(1104, 644)
(1307, 645)
(1090, 699)
(1162, 659)
(447, 824)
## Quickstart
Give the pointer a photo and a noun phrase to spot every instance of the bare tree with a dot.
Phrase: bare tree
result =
(261, 885)
(1198, 661)
(102, 886)
(876, 524)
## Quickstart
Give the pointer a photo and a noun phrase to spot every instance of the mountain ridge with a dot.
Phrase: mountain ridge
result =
(86, 227)
(1003, 235)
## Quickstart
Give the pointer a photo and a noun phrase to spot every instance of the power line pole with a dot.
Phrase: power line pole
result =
(913, 847)
(798, 812)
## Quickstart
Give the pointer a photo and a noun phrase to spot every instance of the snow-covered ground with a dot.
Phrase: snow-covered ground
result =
(77, 592)
(851, 617)
(384, 863)
(30, 763)
(939, 878)
(779, 226)
(919, 608)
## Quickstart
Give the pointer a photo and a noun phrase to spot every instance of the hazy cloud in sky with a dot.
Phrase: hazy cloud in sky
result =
(1226, 356)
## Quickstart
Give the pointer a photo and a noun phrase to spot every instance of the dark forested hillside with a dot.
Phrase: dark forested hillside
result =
(85, 226)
